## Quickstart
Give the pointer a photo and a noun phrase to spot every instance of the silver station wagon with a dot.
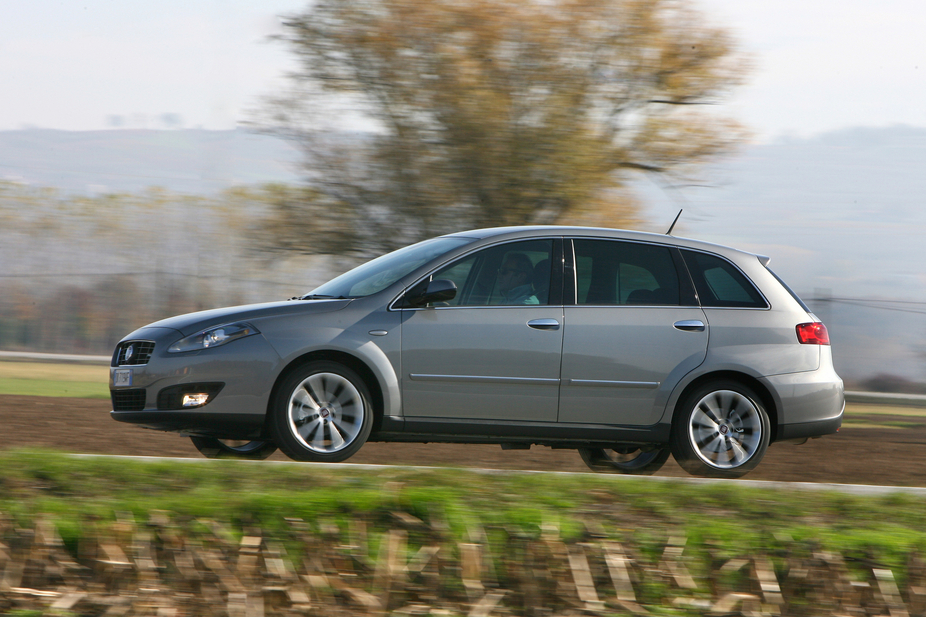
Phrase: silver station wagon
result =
(625, 346)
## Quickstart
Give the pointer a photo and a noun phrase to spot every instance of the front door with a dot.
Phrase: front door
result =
(493, 352)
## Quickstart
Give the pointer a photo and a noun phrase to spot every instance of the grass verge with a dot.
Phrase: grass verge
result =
(724, 518)
(207, 536)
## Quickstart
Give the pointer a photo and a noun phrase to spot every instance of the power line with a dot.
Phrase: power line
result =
(877, 304)
(876, 300)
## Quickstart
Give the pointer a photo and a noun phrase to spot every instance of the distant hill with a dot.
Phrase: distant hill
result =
(840, 214)
(852, 200)
(187, 161)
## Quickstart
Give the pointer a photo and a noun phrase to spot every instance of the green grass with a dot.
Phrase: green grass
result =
(852, 422)
(886, 410)
(56, 371)
(44, 387)
(54, 379)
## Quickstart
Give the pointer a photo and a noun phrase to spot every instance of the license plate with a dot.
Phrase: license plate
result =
(122, 377)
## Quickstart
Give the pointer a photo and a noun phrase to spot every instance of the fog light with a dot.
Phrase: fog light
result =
(196, 399)
(188, 395)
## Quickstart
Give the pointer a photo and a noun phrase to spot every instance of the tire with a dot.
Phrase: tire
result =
(321, 413)
(229, 448)
(625, 459)
(720, 430)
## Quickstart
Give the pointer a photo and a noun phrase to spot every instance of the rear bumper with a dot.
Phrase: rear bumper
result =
(809, 429)
(809, 404)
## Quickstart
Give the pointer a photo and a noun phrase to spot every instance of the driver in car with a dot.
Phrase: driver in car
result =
(514, 280)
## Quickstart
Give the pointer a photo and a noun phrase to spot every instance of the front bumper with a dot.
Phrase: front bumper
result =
(203, 423)
(244, 370)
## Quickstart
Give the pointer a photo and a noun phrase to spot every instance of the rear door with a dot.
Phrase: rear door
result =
(633, 330)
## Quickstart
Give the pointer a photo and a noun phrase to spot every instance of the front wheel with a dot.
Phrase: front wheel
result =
(628, 459)
(720, 430)
(230, 448)
(321, 413)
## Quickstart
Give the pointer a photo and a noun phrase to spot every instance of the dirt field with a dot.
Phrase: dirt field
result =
(863, 452)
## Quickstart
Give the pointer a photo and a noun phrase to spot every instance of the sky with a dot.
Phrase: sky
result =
(819, 65)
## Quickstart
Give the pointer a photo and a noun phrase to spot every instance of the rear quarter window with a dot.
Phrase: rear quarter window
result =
(720, 283)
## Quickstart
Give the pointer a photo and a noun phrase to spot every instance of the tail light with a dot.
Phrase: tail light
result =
(812, 334)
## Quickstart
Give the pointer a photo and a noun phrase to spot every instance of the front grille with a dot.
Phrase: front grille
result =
(133, 353)
(128, 400)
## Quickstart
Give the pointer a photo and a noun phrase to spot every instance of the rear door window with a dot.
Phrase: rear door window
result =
(720, 283)
(610, 272)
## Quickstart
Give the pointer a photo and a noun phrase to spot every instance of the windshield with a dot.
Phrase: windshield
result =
(383, 271)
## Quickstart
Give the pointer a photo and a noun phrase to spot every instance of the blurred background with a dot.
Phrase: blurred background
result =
(169, 157)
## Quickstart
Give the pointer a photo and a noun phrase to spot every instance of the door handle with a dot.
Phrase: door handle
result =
(544, 324)
(690, 325)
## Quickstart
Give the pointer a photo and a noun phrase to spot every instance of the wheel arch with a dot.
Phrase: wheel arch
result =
(352, 362)
(767, 400)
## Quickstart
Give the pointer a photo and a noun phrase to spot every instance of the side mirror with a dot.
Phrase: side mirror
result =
(440, 290)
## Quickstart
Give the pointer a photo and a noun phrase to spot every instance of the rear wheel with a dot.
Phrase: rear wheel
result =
(321, 412)
(720, 430)
(630, 459)
(232, 448)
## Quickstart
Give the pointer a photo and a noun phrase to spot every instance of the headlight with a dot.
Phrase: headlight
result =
(213, 337)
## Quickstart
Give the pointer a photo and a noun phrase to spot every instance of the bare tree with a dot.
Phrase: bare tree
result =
(487, 112)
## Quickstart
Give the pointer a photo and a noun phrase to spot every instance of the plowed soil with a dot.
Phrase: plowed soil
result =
(865, 451)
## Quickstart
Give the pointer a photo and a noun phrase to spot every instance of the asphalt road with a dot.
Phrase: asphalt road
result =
(865, 451)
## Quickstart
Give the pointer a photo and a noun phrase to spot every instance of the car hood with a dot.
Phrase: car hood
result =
(191, 323)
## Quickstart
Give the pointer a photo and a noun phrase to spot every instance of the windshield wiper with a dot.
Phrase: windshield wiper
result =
(321, 297)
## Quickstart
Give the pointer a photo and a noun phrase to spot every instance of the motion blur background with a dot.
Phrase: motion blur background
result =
(157, 158)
